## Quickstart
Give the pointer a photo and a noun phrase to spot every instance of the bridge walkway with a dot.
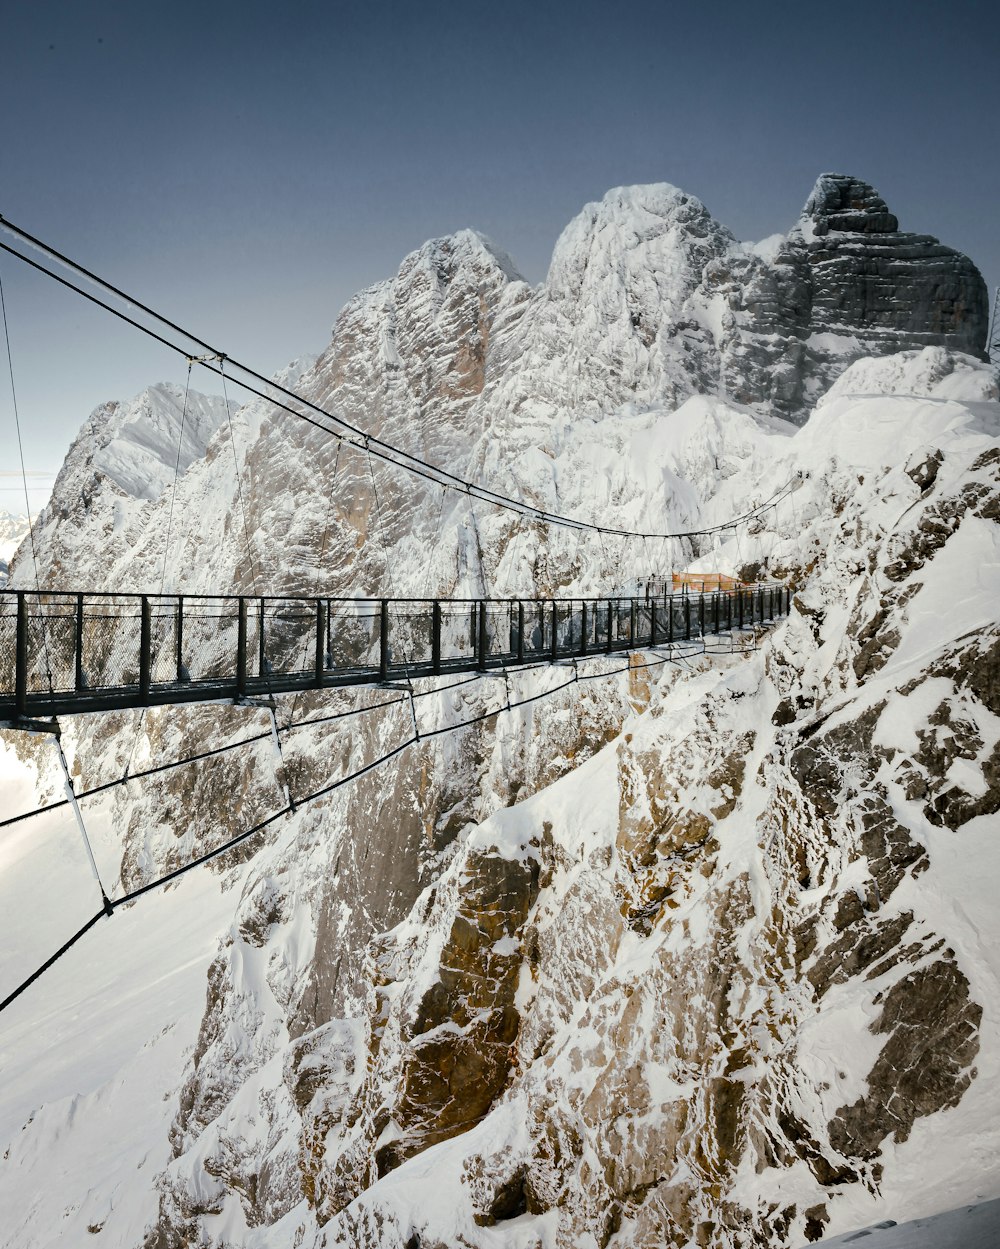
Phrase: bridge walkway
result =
(68, 653)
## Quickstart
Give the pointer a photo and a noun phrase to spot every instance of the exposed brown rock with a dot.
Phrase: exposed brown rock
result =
(926, 1064)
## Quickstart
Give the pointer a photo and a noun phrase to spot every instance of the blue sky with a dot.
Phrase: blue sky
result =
(248, 167)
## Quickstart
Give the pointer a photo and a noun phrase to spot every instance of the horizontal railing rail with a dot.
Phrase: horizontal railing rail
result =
(67, 652)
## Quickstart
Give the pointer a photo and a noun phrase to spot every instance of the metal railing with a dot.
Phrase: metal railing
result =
(63, 653)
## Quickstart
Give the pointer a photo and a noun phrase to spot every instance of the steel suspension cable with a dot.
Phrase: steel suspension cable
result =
(392, 588)
(24, 483)
(243, 741)
(367, 442)
(166, 550)
(319, 561)
(225, 847)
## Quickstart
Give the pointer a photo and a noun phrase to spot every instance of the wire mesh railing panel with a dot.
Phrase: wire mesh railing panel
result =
(288, 630)
(411, 639)
(501, 630)
(459, 631)
(110, 639)
(210, 645)
(163, 629)
(621, 623)
(8, 644)
(353, 636)
(51, 647)
(567, 624)
(537, 618)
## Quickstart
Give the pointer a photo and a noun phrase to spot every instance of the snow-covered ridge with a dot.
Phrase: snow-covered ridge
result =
(140, 444)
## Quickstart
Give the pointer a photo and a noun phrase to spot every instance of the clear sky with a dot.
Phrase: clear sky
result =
(248, 167)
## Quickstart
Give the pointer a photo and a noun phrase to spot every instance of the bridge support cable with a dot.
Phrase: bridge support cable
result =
(71, 799)
(321, 656)
(281, 772)
(384, 614)
(230, 746)
(23, 625)
(127, 899)
(386, 451)
(173, 488)
(140, 723)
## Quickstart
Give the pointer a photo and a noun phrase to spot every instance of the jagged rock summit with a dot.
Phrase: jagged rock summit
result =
(890, 289)
(840, 202)
(649, 300)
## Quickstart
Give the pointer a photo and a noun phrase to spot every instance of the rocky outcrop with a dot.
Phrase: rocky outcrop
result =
(889, 288)
(846, 282)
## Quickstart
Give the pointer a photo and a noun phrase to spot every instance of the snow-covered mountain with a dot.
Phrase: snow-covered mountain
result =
(685, 955)
(125, 456)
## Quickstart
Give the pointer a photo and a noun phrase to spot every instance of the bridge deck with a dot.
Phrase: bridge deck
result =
(75, 653)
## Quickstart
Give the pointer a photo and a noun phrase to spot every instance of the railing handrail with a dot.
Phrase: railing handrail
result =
(312, 596)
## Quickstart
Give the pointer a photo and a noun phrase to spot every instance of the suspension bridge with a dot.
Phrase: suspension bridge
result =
(69, 654)
(78, 652)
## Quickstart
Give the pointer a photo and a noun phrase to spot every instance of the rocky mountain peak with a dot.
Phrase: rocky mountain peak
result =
(453, 257)
(842, 202)
(636, 231)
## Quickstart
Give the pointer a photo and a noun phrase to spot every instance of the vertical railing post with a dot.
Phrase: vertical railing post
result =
(78, 646)
(383, 640)
(632, 611)
(739, 593)
(436, 637)
(609, 640)
(554, 653)
(670, 620)
(701, 613)
(261, 648)
(482, 645)
(145, 656)
(654, 607)
(21, 657)
(241, 649)
(716, 604)
(520, 631)
(583, 626)
(320, 666)
(180, 638)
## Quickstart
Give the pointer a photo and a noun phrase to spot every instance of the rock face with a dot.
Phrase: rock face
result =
(890, 289)
(844, 283)
(124, 458)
